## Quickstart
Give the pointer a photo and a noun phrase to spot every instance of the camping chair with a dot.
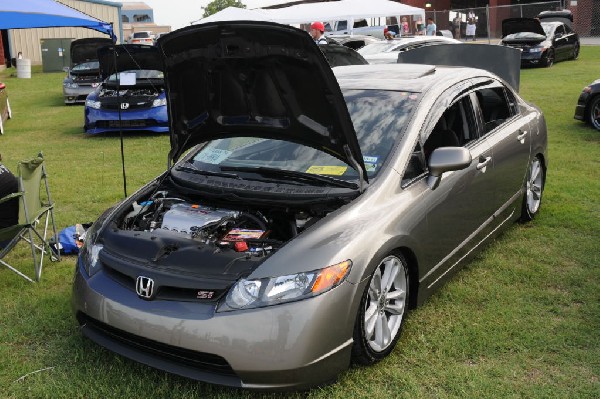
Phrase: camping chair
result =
(34, 216)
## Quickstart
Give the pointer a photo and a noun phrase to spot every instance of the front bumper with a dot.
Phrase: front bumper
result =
(581, 106)
(290, 346)
(153, 119)
(78, 95)
(532, 59)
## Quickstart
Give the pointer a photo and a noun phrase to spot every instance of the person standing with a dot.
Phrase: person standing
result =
(471, 26)
(404, 29)
(431, 28)
(317, 29)
(456, 26)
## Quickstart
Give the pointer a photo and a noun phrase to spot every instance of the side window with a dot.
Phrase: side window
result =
(567, 29)
(455, 128)
(342, 25)
(495, 108)
(559, 30)
(416, 165)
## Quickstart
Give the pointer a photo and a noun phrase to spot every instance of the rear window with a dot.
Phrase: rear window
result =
(141, 35)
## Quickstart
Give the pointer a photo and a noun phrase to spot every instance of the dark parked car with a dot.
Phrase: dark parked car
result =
(129, 99)
(541, 42)
(588, 105)
(307, 210)
(353, 41)
(84, 74)
(5, 112)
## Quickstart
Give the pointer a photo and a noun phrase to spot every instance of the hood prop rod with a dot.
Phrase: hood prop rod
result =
(356, 165)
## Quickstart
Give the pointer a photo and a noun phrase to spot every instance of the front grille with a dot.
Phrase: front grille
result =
(199, 361)
(167, 293)
(130, 106)
(114, 123)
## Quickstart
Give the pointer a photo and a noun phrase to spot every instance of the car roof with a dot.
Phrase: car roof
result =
(407, 40)
(400, 77)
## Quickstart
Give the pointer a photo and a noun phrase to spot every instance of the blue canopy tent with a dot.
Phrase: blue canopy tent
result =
(19, 14)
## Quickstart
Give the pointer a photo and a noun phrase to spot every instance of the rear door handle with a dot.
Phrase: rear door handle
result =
(482, 166)
(521, 137)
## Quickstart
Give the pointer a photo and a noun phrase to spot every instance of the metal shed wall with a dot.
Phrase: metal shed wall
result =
(27, 41)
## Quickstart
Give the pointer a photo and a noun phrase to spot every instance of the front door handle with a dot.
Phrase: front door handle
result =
(482, 166)
(521, 137)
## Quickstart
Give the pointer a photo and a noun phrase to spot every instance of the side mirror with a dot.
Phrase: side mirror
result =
(66, 69)
(558, 35)
(446, 159)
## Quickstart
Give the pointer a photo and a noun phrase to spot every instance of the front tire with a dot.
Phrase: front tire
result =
(382, 309)
(593, 113)
(549, 59)
(575, 52)
(532, 199)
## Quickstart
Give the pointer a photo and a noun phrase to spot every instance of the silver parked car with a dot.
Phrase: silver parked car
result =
(307, 208)
(386, 52)
(83, 76)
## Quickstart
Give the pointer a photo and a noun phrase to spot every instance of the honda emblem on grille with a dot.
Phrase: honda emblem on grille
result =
(144, 287)
(124, 105)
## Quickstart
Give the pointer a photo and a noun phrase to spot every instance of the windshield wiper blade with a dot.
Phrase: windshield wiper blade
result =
(303, 176)
(193, 169)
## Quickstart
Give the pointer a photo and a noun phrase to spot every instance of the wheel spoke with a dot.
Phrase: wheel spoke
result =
(389, 274)
(371, 317)
(375, 286)
(395, 295)
(382, 331)
(396, 308)
(535, 171)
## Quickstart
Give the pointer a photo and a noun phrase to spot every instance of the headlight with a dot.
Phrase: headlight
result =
(248, 294)
(159, 101)
(93, 104)
(70, 85)
(536, 50)
(91, 249)
(587, 89)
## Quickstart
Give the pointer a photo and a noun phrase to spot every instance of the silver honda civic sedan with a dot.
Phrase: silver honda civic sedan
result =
(305, 210)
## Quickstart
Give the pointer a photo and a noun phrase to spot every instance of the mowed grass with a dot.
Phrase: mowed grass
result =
(522, 320)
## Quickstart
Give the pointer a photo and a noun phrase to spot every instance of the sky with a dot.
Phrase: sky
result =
(179, 13)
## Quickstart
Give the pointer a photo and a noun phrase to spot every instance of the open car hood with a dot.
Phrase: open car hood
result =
(516, 25)
(253, 78)
(127, 57)
(85, 50)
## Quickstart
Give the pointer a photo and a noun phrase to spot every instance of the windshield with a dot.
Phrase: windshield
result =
(140, 74)
(376, 48)
(379, 118)
(86, 66)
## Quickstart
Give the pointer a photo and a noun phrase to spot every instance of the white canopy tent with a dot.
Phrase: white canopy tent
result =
(326, 11)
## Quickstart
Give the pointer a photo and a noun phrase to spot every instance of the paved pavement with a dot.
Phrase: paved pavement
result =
(594, 41)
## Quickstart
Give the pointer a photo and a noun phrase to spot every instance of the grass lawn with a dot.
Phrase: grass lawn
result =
(522, 320)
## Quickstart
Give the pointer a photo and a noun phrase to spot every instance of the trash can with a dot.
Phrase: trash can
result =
(24, 68)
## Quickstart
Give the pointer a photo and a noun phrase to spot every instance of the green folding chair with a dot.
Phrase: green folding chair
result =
(34, 217)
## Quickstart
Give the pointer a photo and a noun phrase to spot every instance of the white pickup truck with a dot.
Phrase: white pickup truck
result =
(356, 26)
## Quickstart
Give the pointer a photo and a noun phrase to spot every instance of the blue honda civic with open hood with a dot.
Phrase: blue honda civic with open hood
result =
(132, 96)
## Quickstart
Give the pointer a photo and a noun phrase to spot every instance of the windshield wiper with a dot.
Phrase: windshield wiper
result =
(193, 169)
(301, 176)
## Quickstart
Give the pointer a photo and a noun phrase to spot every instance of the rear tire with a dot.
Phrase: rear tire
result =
(534, 188)
(593, 113)
(382, 309)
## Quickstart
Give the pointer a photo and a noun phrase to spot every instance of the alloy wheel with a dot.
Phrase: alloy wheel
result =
(386, 303)
(535, 185)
